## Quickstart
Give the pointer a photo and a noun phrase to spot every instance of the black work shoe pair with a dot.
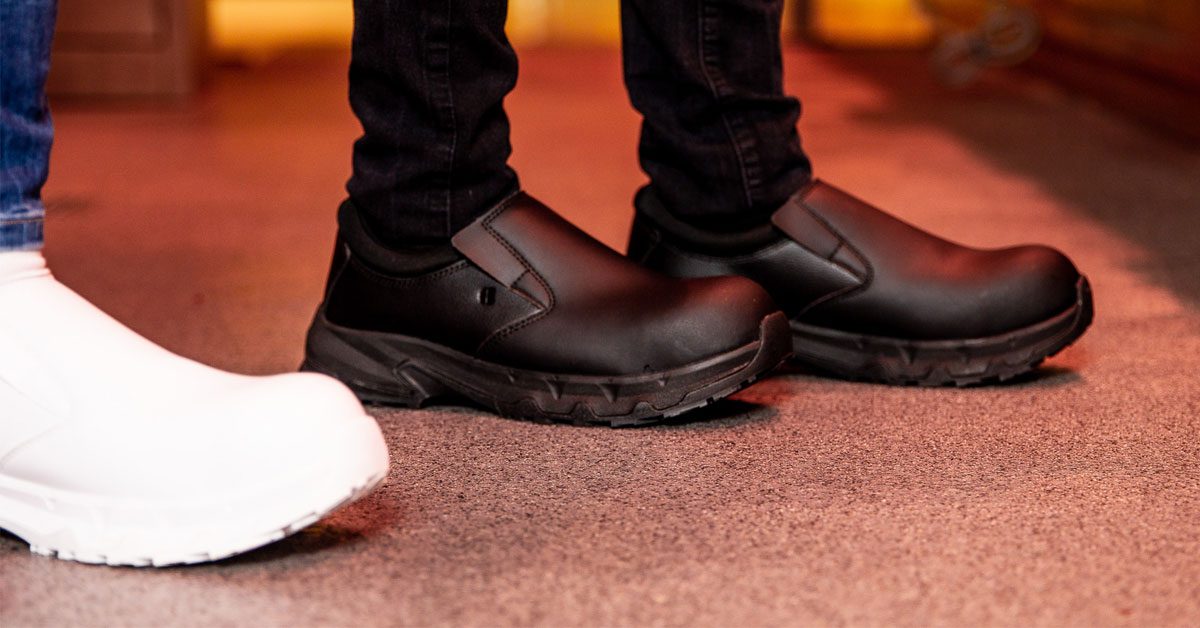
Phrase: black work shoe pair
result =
(531, 317)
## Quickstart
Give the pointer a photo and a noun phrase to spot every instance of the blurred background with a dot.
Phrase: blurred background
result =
(1142, 56)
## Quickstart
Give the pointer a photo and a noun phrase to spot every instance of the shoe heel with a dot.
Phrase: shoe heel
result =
(392, 380)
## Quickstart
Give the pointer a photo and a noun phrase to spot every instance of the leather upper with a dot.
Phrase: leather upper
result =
(532, 291)
(840, 263)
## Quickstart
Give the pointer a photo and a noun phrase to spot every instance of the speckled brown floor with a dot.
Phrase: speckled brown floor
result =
(1071, 498)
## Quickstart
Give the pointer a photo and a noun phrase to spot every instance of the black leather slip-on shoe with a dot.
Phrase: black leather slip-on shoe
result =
(534, 319)
(873, 298)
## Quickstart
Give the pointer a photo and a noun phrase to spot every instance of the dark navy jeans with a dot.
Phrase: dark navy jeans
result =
(26, 28)
(428, 80)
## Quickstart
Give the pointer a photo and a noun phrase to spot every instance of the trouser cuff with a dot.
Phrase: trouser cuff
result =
(21, 234)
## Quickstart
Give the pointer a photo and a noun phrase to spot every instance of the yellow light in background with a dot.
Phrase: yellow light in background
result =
(869, 23)
(564, 21)
(260, 28)
(252, 29)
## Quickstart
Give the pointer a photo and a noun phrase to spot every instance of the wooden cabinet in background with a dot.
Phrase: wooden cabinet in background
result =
(128, 47)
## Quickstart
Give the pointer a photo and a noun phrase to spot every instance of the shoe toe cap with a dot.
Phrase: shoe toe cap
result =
(996, 292)
(1035, 283)
(719, 314)
(1009, 289)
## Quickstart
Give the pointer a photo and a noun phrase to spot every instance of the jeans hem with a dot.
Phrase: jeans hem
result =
(21, 234)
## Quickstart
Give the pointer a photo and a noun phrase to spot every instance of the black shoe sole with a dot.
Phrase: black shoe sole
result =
(392, 369)
(963, 362)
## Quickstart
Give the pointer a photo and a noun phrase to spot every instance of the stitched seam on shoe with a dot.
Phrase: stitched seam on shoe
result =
(844, 242)
(848, 290)
(515, 327)
(836, 294)
(381, 278)
(525, 296)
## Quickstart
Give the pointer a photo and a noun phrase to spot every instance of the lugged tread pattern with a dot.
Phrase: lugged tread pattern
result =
(390, 370)
(972, 362)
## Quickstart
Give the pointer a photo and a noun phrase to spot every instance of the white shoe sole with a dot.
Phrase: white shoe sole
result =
(143, 533)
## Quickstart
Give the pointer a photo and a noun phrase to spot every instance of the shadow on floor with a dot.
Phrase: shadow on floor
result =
(1135, 181)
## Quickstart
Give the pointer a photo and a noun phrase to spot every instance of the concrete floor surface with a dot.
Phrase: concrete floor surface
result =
(1069, 498)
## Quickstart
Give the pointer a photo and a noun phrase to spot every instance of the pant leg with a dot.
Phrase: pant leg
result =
(427, 81)
(719, 139)
(26, 30)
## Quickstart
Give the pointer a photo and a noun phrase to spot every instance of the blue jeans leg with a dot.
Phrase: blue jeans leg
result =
(26, 30)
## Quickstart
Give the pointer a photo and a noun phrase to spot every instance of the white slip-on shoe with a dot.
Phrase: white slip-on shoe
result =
(116, 451)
